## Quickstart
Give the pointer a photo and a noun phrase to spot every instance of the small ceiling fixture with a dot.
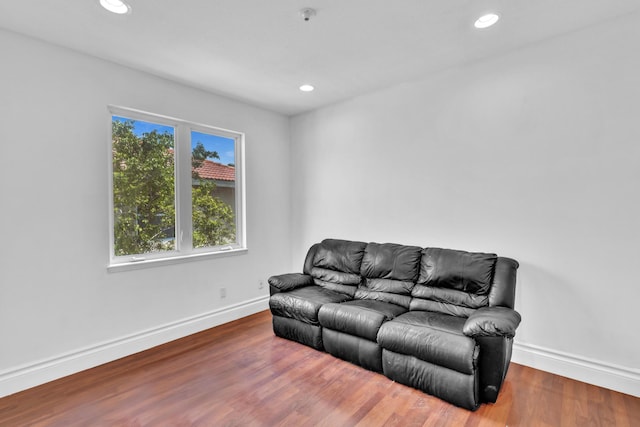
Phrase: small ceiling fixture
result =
(485, 21)
(116, 6)
(307, 88)
(307, 13)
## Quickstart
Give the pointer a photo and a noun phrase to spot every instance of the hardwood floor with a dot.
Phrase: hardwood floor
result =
(240, 374)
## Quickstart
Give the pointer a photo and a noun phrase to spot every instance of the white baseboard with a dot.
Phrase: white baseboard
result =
(614, 377)
(40, 372)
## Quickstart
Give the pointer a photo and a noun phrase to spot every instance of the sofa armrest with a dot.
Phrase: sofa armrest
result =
(288, 282)
(492, 322)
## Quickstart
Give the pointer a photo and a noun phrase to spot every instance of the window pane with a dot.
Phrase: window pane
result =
(213, 190)
(143, 187)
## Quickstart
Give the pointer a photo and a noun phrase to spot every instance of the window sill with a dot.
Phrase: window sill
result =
(178, 259)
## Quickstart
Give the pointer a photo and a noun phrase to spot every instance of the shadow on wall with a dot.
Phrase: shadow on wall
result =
(555, 312)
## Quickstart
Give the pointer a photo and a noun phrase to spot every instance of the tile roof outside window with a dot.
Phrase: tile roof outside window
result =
(216, 171)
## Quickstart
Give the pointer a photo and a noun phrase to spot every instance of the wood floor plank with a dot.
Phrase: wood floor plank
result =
(240, 374)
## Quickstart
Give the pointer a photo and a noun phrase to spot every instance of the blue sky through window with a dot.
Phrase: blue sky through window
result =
(225, 147)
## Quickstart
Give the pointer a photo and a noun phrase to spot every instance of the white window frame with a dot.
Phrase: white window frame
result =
(184, 250)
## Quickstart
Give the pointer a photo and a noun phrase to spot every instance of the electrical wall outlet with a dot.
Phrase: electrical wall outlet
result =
(223, 292)
(261, 284)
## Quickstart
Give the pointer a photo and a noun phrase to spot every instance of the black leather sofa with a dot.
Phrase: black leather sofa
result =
(438, 320)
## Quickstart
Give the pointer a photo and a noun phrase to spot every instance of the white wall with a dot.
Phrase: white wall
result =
(534, 155)
(60, 310)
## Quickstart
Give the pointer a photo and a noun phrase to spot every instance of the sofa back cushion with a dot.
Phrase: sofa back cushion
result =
(453, 282)
(336, 265)
(389, 272)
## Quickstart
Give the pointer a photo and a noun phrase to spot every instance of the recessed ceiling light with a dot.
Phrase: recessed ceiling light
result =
(486, 21)
(306, 88)
(116, 6)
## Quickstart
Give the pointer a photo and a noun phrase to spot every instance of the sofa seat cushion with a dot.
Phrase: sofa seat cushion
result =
(361, 318)
(433, 337)
(303, 304)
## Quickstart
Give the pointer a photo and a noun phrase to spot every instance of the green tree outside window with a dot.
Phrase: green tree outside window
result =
(144, 194)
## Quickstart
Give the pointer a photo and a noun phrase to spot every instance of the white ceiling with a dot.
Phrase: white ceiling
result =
(261, 51)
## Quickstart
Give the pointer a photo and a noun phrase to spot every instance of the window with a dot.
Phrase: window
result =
(176, 189)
